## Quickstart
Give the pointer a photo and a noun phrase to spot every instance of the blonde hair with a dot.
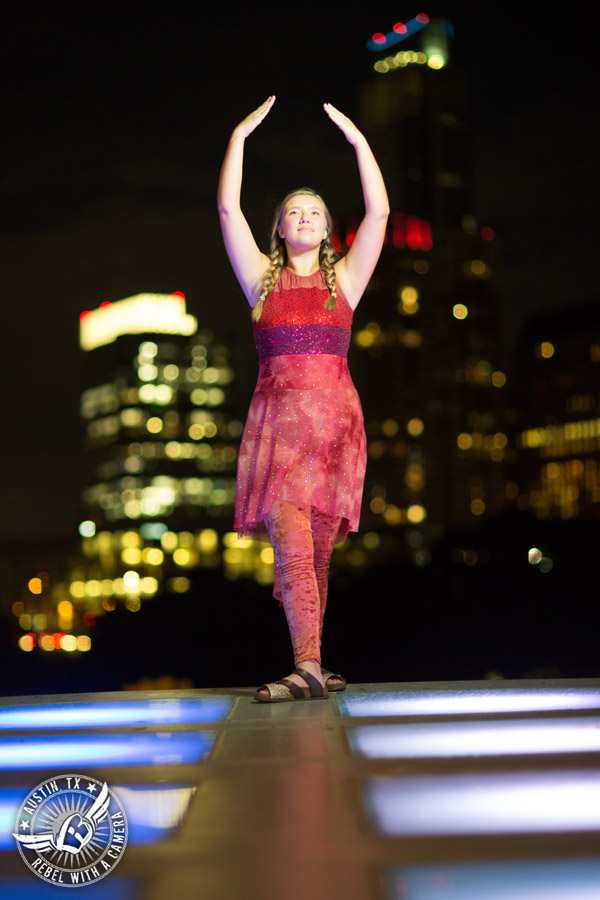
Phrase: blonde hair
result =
(278, 256)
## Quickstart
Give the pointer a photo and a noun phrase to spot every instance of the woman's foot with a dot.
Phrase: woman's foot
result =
(309, 665)
(332, 681)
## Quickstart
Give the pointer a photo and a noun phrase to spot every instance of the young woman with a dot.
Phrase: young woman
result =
(302, 457)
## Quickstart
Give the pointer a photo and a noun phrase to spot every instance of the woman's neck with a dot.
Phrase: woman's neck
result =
(306, 263)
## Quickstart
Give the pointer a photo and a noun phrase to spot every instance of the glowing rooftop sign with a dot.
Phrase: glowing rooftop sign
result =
(142, 314)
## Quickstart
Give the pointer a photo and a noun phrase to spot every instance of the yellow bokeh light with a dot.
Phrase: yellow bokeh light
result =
(179, 585)
(149, 585)
(410, 338)
(498, 379)
(546, 350)
(154, 425)
(46, 642)
(460, 311)
(131, 556)
(196, 432)
(477, 507)
(131, 580)
(364, 339)
(464, 441)
(84, 643)
(478, 267)
(208, 540)
(35, 585)
(153, 556)
(389, 427)
(68, 642)
(65, 609)
(267, 556)
(26, 643)
(131, 539)
(182, 557)
(168, 541)
(416, 513)
(415, 427)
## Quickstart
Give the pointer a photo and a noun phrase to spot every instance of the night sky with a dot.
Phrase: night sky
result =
(118, 117)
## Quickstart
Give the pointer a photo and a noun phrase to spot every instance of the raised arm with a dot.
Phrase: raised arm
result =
(355, 269)
(249, 264)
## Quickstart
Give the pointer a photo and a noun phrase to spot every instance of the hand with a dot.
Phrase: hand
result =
(346, 125)
(252, 121)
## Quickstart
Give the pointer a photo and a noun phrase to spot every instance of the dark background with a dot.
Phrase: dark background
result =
(116, 120)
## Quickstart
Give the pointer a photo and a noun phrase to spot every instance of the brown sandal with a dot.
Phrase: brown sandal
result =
(285, 690)
(334, 687)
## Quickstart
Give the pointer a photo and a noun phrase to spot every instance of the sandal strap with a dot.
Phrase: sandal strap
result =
(293, 688)
(316, 689)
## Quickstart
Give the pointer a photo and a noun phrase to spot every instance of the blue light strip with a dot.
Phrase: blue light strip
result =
(393, 37)
(153, 811)
(105, 715)
(59, 751)
(577, 879)
(32, 888)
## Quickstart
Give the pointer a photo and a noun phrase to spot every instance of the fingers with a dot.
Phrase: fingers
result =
(253, 120)
(346, 125)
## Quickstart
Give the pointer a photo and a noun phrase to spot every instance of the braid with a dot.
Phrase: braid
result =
(271, 276)
(277, 255)
(327, 257)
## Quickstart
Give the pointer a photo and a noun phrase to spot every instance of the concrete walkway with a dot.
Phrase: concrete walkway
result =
(424, 791)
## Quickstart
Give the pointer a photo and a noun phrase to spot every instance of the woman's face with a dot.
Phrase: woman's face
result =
(303, 221)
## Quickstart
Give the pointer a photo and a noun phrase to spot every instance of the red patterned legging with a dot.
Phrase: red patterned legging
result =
(303, 539)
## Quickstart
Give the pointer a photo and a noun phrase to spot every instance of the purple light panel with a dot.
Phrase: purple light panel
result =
(494, 738)
(490, 803)
(469, 702)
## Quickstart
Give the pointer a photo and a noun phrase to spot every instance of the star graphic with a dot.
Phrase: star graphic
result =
(92, 787)
(24, 824)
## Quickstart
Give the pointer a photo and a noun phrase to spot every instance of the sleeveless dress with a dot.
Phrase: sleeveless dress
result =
(304, 439)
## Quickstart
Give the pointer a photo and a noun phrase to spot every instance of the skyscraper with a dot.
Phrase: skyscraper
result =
(427, 332)
(160, 444)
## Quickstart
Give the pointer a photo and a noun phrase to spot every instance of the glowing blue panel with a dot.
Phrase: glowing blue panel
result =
(490, 803)
(188, 710)
(31, 888)
(153, 810)
(61, 751)
(569, 879)
(451, 703)
(495, 738)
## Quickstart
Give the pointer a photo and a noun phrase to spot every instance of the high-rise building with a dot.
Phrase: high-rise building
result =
(161, 439)
(426, 343)
(558, 415)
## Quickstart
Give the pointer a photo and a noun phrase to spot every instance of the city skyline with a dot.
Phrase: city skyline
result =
(112, 164)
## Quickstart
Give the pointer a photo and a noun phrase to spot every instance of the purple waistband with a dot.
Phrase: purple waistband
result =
(290, 339)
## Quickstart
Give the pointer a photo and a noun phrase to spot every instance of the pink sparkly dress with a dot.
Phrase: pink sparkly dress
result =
(304, 439)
